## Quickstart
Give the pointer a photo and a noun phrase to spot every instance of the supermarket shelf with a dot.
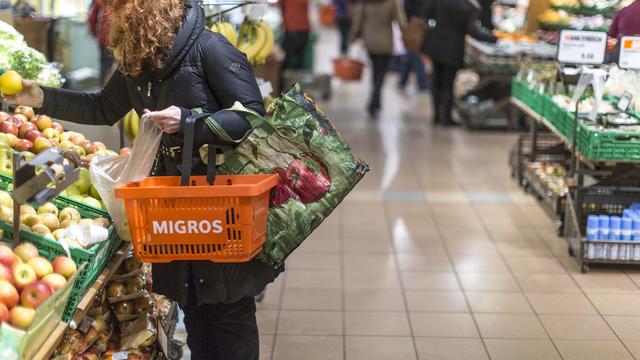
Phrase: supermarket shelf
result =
(49, 346)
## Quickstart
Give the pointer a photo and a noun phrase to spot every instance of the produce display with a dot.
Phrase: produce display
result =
(577, 15)
(31, 64)
(254, 38)
(552, 175)
(27, 280)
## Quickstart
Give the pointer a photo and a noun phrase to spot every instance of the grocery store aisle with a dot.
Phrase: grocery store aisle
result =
(438, 255)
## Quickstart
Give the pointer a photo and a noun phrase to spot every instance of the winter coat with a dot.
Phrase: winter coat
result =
(204, 71)
(372, 22)
(454, 19)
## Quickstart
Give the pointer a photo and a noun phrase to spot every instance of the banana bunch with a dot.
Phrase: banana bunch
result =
(131, 124)
(227, 30)
(256, 40)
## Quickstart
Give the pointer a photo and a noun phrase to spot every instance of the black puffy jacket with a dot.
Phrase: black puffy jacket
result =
(203, 71)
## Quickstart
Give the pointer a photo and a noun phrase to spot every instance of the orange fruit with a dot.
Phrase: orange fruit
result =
(10, 83)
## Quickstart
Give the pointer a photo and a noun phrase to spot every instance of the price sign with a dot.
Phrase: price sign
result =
(582, 47)
(625, 101)
(630, 52)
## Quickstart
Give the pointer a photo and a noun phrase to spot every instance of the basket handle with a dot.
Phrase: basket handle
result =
(187, 151)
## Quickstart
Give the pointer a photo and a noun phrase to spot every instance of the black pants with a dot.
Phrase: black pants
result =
(380, 67)
(443, 78)
(295, 46)
(222, 331)
(344, 25)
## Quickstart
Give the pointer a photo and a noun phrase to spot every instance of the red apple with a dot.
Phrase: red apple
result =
(55, 281)
(23, 145)
(25, 128)
(26, 111)
(6, 273)
(76, 138)
(4, 116)
(43, 122)
(64, 266)
(16, 261)
(35, 294)
(24, 275)
(57, 126)
(26, 251)
(125, 151)
(6, 255)
(9, 128)
(41, 266)
(33, 135)
(4, 313)
(19, 119)
(8, 294)
(87, 146)
(98, 146)
(21, 317)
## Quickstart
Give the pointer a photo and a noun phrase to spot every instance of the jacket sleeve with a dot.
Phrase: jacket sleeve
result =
(399, 14)
(356, 27)
(105, 107)
(477, 31)
(614, 28)
(231, 79)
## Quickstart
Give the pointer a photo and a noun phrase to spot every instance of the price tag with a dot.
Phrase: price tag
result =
(86, 323)
(582, 47)
(625, 101)
(630, 52)
(120, 355)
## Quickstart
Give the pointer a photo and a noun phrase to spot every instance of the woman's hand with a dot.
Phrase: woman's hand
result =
(168, 119)
(31, 95)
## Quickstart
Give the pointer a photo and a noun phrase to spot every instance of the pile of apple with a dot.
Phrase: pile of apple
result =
(27, 280)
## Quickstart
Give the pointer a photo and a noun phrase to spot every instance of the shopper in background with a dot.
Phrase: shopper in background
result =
(372, 22)
(445, 44)
(412, 62)
(99, 26)
(22, 8)
(168, 61)
(343, 19)
(625, 22)
(295, 14)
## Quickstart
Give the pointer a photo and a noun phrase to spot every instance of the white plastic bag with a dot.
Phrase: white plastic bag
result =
(107, 172)
(597, 79)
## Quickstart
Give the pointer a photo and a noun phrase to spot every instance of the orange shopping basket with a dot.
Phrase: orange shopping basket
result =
(221, 219)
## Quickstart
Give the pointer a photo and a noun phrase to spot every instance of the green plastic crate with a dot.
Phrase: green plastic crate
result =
(608, 146)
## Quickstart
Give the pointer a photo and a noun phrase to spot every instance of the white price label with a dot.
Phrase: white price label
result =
(582, 47)
(630, 52)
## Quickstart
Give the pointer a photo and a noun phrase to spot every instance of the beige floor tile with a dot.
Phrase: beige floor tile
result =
(606, 282)
(271, 300)
(511, 326)
(443, 325)
(567, 304)
(356, 245)
(634, 348)
(266, 347)
(577, 327)
(304, 260)
(476, 264)
(374, 300)
(512, 349)
(436, 301)
(498, 302)
(488, 282)
(626, 327)
(310, 323)
(522, 249)
(450, 349)
(437, 263)
(368, 262)
(455, 234)
(379, 348)
(472, 248)
(267, 321)
(616, 304)
(592, 350)
(535, 265)
(296, 347)
(378, 279)
(429, 281)
(320, 244)
(312, 299)
(321, 279)
(377, 323)
(554, 283)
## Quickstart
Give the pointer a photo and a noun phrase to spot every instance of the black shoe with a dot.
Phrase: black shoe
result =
(449, 124)
(373, 111)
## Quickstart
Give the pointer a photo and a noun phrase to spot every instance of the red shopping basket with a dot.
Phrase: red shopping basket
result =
(221, 219)
(347, 69)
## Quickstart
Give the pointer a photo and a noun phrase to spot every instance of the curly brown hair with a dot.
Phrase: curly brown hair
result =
(143, 32)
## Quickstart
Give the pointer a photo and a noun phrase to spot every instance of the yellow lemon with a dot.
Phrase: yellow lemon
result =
(10, 83)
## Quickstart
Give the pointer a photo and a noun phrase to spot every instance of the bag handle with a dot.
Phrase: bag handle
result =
(187, 151)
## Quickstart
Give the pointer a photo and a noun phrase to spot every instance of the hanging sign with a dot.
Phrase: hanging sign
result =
(630, 52)
(582, 47)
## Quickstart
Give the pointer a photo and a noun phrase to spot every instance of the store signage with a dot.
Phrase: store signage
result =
(630, 52)
(582, 47)
(209, 227)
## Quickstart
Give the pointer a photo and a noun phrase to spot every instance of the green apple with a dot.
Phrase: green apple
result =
(94, 193)
(79, 150)
(6, 167)
(77, 197)
(27, 155)
(6, 199)
(51, 133)
(83, 184)
(72, 190)
(66, 144)
(94, 203)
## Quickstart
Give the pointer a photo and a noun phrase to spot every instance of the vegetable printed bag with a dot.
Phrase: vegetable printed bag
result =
(316, 167)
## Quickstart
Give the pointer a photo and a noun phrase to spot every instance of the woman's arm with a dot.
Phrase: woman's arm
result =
(399, 15)
(477, 31)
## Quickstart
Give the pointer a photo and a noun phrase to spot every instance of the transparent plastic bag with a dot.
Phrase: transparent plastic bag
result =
(107, 172)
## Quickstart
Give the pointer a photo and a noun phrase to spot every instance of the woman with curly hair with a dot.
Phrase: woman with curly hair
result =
(169, 64)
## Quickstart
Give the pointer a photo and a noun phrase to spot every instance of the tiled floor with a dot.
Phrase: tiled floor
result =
(438, 255)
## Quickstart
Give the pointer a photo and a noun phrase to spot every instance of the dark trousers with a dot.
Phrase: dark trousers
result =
(412, 62)
(222, 331)
(295, 46)
(344, 25)
(443, 78)
(380, 66)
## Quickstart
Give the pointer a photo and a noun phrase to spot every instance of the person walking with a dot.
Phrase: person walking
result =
(343, 20)
(295, 14)
(168, 65)
(625, 22)
(372, 22)
(412, 61)
(99, 27)
(445, 44)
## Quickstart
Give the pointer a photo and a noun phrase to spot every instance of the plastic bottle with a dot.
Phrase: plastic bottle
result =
(593, 227)
(603, 235)
(626, 251)
(636, 238)
(615, 223)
